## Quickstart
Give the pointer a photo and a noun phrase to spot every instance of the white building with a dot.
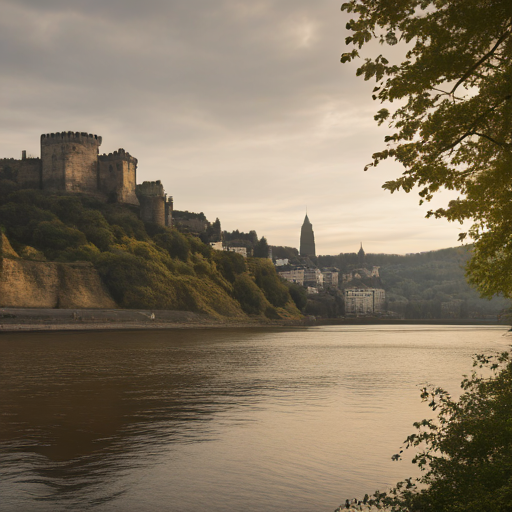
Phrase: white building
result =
(282, 263)
(330, 278)
(294, 276)
(364, 301)
(239, 250)
(313, 277)
(217, 246)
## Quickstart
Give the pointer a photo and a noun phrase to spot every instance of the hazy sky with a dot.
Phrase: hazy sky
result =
(240, 107)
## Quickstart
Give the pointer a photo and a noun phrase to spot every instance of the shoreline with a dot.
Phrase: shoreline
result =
(53, 320)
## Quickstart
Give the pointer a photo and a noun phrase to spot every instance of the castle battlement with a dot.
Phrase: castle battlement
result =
(13, 160)
(120, 154)
(70, 163)
(78, 137)
(151, 188)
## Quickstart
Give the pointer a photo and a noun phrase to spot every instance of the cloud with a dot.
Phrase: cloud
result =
(241, 108)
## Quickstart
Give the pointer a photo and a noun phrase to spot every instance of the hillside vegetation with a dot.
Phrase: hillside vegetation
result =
(143, 266)
(425, 285)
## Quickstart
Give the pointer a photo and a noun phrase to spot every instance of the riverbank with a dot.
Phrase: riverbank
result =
(35, 319)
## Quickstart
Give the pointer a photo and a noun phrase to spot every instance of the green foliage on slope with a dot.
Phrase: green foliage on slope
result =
(143, 266)
(418, 284)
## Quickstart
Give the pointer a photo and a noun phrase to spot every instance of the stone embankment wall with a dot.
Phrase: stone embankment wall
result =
(36, 284)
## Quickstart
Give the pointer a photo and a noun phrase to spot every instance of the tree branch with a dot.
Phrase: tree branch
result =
(501, 144)
(482, 60)
(474, 124)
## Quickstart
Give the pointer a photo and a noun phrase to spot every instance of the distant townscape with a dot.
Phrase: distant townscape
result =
(359, 299)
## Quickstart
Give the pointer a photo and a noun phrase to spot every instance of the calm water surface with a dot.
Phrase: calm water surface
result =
(217, 420)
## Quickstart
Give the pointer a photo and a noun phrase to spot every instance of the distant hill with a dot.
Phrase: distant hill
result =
(425, 285)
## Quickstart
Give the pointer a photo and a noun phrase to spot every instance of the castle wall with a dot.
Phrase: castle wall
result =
(152, 201)
(27, 172)
(117, 177)
(70, 162)
(152, 209)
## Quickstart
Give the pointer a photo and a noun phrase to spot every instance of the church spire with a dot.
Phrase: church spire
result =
(307, 238)
(361, 255)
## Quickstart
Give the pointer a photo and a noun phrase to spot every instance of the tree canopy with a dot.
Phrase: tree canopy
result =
(452, 127)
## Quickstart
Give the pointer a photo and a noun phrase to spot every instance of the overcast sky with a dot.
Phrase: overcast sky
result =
(240, 107)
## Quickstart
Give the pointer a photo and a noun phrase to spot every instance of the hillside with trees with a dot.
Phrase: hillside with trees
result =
(425, 285)
(143, 266)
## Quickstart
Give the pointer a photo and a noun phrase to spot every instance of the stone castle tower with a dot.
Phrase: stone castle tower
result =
(154, 205)
(117, 177)
(70, 162)
(307, 238)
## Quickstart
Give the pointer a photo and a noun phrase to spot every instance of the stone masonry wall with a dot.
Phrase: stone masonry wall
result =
(27, 173)
(152, 202)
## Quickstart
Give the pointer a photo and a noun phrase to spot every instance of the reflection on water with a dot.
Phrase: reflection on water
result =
(255, 420)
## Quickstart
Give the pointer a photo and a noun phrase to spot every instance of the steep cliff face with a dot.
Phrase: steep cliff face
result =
(35, 284)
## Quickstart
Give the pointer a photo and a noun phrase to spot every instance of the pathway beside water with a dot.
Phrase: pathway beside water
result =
(217, 419)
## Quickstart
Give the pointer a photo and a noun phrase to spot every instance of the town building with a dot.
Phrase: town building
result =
(293, 276)
(330, 277)
(313, 277)
(360, 273)
(219, 246)
(239, 250)
(303, 276)
(364, 301)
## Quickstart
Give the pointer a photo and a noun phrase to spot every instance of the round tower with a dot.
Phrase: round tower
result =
(70, 162)
(152, 199)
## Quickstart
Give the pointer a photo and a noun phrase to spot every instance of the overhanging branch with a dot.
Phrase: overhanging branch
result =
(477, 64)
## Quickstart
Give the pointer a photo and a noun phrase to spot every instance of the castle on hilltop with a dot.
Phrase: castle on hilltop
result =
(70, 163)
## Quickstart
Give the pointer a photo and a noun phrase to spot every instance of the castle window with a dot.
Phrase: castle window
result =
(110, 168)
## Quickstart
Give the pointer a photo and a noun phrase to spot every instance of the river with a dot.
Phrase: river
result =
(218, 419)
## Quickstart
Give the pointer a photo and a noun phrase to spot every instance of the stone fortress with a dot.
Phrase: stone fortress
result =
(70, 163)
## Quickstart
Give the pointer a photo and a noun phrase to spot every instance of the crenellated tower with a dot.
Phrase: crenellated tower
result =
(117, 177)
(70, 162)
(152, 199)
